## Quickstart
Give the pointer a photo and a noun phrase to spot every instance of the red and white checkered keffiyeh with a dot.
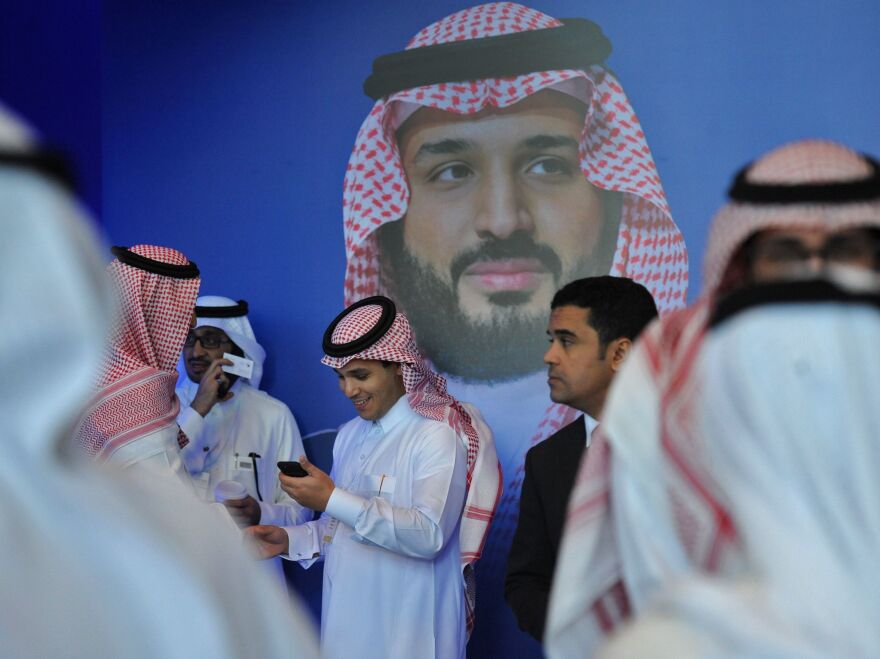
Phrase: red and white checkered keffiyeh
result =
(668, 352)
(614, 156)
(427, 395)
(135, 386)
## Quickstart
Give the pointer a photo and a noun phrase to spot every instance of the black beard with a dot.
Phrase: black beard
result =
(509, 346)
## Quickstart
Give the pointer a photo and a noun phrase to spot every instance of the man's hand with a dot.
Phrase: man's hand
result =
(312, 491)
(213, 381)
(269, 541)
(245, 512)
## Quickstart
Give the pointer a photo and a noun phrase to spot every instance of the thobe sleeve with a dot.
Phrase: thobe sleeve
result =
(306, 542)
(280, 509)
(650, 549)
(438, 492)
(192, 424)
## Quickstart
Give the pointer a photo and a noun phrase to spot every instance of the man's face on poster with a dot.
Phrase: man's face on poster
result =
(500, 216)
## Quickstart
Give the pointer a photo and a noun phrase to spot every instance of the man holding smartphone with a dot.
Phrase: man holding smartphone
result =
(407, 506)
(236, 431)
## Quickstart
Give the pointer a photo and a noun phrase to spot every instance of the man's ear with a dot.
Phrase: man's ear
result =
(618, 349)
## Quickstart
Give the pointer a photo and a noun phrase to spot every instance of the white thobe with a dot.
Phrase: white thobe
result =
(220, 444)
(787, 394)
(393, 585)
(157, 452)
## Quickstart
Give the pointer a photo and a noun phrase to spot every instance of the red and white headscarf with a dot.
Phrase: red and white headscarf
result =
(672, 347)
(427, 395)
(666, 356)
(135, 386)
(614, 156)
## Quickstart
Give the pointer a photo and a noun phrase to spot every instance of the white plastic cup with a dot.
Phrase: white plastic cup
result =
(229, 491)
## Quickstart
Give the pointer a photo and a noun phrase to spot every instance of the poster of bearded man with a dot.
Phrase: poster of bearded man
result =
(501, 160)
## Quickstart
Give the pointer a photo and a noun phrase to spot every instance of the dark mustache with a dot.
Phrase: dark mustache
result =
(518, 245)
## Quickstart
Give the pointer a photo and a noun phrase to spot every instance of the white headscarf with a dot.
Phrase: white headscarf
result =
(97, 564)
(54, 302)
(238, 329)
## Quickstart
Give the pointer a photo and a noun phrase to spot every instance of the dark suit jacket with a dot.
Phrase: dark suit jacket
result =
(550, 470)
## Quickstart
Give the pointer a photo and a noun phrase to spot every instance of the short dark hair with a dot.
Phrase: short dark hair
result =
(619, 307)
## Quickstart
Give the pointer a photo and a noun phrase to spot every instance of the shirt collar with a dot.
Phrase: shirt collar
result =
(590, 424)
(398, 412)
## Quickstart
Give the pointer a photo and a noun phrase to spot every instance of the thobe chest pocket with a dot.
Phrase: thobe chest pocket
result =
(240, 462)
(377, 485)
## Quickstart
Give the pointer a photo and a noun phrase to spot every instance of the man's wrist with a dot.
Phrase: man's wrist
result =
(327, 500)
(201, 407)
(266, 516)
(192, 424)
(344, 506)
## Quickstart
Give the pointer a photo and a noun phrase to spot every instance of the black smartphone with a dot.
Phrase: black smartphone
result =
(294, 469)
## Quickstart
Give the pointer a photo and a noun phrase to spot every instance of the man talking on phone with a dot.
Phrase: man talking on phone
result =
(236, 432)
(407, 505)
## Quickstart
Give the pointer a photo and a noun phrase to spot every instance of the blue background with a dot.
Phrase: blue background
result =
(223, 128)
(226, 128)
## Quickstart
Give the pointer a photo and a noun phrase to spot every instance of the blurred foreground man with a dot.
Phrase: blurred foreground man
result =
(787, 391)
(97, 563)
(795, 212)
(407, 505)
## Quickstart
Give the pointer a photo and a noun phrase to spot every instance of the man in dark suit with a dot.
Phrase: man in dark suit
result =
(593, 323)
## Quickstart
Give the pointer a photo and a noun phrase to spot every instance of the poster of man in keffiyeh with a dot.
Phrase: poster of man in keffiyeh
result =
(501, 160)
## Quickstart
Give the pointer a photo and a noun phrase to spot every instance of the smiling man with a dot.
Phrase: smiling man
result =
(407, 505)
(593, 324)
(502, 159)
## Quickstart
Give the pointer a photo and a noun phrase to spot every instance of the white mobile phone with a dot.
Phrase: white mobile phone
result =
(241, 366)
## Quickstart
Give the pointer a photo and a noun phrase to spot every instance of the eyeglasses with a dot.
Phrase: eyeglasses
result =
(207, 339)
(842, 250)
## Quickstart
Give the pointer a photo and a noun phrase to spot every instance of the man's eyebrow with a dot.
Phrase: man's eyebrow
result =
(549, 142)
(561, 333)
(356, 372)
(208, 332)
(443, 147)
